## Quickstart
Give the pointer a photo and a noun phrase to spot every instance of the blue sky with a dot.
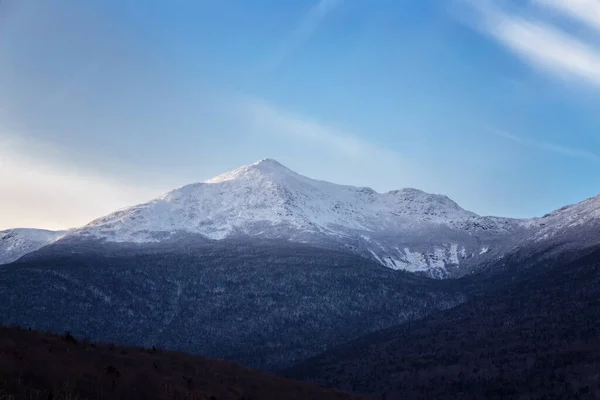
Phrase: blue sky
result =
(107, 103)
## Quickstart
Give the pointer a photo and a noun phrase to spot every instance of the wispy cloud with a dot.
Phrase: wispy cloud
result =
(548, 146)
(586, 11)
(270, 118)
(335, 154)
(303, 31)
(332, 152)
(542, 44)
(507, 135)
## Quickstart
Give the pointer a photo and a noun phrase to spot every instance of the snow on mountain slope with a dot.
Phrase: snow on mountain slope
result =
(15, 243)
(267, 193)
(585, 214)
(403, 229)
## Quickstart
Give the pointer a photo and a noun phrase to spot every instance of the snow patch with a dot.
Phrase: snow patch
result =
(453, 259)
(415, 261)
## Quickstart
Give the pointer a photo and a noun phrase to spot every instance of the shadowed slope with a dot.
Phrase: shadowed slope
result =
(540, 338)
(36, 365)
(266, 305)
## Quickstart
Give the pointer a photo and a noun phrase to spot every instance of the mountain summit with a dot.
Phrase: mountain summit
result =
(404, 229)
(267, 167)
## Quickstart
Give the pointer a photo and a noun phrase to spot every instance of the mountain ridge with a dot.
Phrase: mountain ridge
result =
(268, 200)
(406, 229)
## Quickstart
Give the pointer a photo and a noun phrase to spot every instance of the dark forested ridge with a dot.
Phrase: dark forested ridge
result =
(40, 366)
(538, 338)
(264, 305)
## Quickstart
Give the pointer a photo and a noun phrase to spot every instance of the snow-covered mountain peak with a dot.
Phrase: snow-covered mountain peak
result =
(15, 243)
(402, 229)
(408, 192)
(269, 163)
(265, 169)
(438, 201)
(589, 208)
(268, 199)
(571, 216)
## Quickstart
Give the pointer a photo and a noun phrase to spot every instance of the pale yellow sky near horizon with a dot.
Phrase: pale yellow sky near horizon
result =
(37, 194)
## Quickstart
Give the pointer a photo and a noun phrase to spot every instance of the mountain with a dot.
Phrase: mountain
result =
(264, 304)
(15, 243)
(404, 229)
(577, 223)
(266, 267)
(537, 337)
(261, 266)
(36, 365)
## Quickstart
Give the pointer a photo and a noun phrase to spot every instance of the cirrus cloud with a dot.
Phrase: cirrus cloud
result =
(541, 43)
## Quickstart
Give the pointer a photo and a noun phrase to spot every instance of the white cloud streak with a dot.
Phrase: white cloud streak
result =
(548, 146)
(324, 151)
(541, 44)
(586, 11)
(270, 118)
(303, 31)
